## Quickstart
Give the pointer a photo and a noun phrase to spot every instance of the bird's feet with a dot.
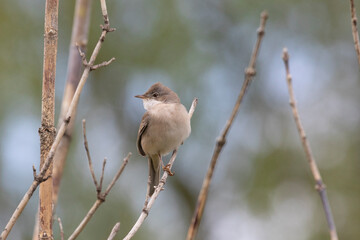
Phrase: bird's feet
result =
(167, 169)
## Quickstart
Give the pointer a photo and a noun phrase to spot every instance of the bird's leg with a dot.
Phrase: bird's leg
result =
(166, 168)
(162, 163)
(147, 197)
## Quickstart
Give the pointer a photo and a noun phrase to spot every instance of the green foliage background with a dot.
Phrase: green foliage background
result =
(262, 187)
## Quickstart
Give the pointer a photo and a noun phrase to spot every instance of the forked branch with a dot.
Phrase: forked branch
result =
(101, 196)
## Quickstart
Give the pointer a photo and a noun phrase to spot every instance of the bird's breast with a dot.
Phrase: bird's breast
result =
(168, 127)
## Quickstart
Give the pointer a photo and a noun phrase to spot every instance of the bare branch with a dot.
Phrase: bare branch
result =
(114, 231)
(82, 55)
(34, 172)
(60, 134)
(88, 155)
(220, 142)
(100, 199)
(86, 219)
(150, 202)
(47, 130)
(146, 210)
(103, 64)
(102, 176)
(105, 29)
(320, 186)
(355, 32)
(106, 17)
(117, 175)
(61, 229)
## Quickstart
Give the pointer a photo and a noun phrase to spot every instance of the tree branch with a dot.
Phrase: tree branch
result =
(100, 199)
(354, 29)
(150, 202)
(114, 231)
(47, 130)
(146, 209)
(60, 134)
(320, 186)
(88, 155)
(220, 142)
(61, 229)
(103, 64)
(102, 176)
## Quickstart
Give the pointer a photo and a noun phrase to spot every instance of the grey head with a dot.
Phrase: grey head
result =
(160, 93)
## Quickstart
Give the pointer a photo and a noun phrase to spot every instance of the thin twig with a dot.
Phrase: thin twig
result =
(61, 229)
(103, 64)
(150, 202)
(100, 199)
(355, 32)
(320, 186)
(145, 211)
(59, 135)
(102, 175)
(116, 177)
(98, 186)
(82, 55)
(220, 142)
(114, 231)
(88, 154)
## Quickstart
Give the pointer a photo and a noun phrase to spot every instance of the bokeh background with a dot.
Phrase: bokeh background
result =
(262, 187)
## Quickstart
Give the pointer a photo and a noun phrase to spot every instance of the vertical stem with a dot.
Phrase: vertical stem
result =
(47, 129)
(60, 133)
(355, 32)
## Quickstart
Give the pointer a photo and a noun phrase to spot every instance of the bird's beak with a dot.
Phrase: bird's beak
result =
(140, 96)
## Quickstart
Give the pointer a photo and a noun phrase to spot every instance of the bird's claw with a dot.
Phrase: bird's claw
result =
(167, 169)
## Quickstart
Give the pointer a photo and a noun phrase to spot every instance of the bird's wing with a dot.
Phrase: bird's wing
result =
(143, 125)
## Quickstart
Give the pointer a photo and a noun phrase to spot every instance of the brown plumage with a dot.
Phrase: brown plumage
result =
(164, 126)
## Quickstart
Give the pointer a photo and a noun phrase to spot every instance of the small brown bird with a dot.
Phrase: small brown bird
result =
(164, 126)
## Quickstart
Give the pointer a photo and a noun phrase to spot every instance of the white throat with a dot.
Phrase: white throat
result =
(149, 103)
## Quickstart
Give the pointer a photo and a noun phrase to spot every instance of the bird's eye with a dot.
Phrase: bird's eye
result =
(155, 94)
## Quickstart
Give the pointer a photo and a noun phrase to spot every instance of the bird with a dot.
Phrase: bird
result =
(164, 127)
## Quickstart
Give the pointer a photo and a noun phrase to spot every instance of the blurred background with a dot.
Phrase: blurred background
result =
(262, 186)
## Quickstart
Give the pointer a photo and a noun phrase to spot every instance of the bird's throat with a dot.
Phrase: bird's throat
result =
(149, 103)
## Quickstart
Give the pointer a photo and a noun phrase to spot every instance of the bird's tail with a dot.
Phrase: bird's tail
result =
(154, 173)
